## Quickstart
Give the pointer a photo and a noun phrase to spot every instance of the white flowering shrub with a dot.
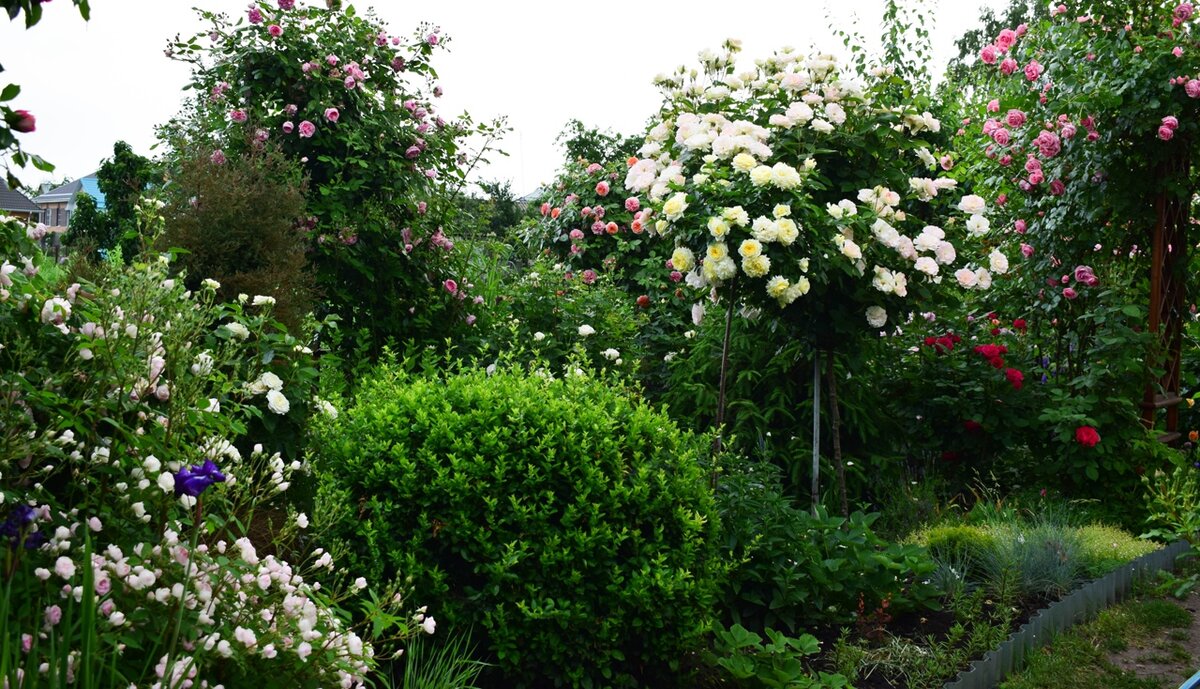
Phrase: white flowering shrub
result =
(129, 477)
(797, 187)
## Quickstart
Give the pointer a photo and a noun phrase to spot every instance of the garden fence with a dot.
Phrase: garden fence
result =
(1080, 605)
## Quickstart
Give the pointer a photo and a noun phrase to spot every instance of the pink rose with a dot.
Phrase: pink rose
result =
(470, 319)
(275, 30)
(255, 15)
(331, 59)
(307, 129)
(676, 276)
(1193, 88)
(988, 55)
(412, 152)
(217, 157)
(1001, 136)
(1005, 160)
(288, 127)
(632, 204)
(576, 234)
(1015, 118)
(1006, 39)
(1057, 187)
(1020, 226)
(1036, 177)
(1033, 70)
(1069, 293)
(1008, 66)
(1086, 275)
(432, 39)
(1026, 250)
(946, 162)
(1184, 11)
(332, 114)
(1166, 133)
(238, 115)
(349, 83)
(993, 105)
(287, 4)
(602, 189)
(451, 286)
(588, 276)
(1170, 121)
(1068, 131)
(1032, 164)
(22, 121)
(422, 207)
(1177, 51)
(261, 135)
(1021, 29)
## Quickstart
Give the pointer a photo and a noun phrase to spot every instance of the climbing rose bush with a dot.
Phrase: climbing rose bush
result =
(793, 185)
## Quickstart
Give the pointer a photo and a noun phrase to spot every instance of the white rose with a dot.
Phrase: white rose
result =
(876, 316)
(585, 330)
(539, 336)
(271, 380)
(966, 277)
(277, 403)
(972, 204)
(610, 354)
(978, 225)
(927, 265)
(238, 330)
(998, 262)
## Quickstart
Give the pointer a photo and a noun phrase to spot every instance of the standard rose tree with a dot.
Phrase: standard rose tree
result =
(799, 190)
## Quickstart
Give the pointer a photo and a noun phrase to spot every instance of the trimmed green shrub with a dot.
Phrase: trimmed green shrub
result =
(572, 524)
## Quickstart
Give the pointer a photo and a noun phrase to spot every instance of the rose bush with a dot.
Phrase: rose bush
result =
(354, 105)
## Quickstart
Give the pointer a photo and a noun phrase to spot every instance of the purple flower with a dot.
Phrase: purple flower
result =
(397, 64)
(287, 4)
(255, 15)
(193, 481)
(412, 152)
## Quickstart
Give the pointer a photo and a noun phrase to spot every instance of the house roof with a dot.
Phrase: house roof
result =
(67, 192)
(13, 200)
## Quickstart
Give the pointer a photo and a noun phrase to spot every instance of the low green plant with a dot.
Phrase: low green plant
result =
(776, 662)
(957, 542)
(448, 665)
(573, 525)
(1105, 548)
(1173, 500)
(793, 568)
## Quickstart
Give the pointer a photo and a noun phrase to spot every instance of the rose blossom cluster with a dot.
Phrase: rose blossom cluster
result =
(724, 138)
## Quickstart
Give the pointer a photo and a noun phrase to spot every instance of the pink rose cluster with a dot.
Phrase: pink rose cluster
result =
(1166, 130)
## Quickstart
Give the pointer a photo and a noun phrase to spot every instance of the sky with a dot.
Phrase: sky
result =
(540, 63)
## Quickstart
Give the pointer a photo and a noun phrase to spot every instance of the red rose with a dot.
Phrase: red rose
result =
(1087, 436)
(995, 331)
(1019, 324)
(949, 456)
(972, 426)
(643, 301)
(1015, 377)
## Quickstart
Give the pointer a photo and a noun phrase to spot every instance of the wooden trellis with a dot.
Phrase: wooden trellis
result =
(1168, 292)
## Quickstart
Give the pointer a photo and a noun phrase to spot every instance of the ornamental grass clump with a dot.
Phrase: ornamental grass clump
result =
(570, 524)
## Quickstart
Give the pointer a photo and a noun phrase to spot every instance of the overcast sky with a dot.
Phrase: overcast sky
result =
(540, 63)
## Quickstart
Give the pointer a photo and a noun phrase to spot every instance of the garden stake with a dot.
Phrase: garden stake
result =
(717, 446)
(836, 422)
(816, 443)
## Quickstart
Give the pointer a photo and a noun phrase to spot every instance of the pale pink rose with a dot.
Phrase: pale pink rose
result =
(1005, 160)
(1068, 131)
(1015, 118)
(1020, 226)
(1006, 39)
(53, 615)
(238, 115)
(307, 129)
(332, 114)
(332, 60)
(1021, 29)
(432, 39)
(632, 204)
(1192, 87)
(470, 319)
(988, 55)
(1170, 121)
(1008, 66)
(1177, 51)
(576, 234)
(993, 105)
(287, 4)
(946, 162)
(1001, 136)
(1166, 133)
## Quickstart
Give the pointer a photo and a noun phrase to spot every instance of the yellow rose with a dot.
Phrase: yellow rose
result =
(777, 287)
(718, 227)
(786, 231)
(717, 251)
(683, 259)
(675, 206)
(744, 162)
(750, 247)
(756, 266)
(782, 210)
(760, 176)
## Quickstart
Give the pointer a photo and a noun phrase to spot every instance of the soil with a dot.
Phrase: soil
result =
(1170, 656)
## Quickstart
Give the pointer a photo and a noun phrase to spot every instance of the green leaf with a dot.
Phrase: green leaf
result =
(10, 92)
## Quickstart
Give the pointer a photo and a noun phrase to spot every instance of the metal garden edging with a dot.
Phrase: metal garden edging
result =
(1081, 604)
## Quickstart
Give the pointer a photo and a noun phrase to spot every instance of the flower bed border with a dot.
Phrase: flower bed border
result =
(1079, 606)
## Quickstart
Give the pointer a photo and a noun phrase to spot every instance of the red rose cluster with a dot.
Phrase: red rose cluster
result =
(943, 344)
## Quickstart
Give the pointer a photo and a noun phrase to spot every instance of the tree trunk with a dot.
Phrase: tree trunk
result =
(718, 445)
(816, 433)
(836, 422)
